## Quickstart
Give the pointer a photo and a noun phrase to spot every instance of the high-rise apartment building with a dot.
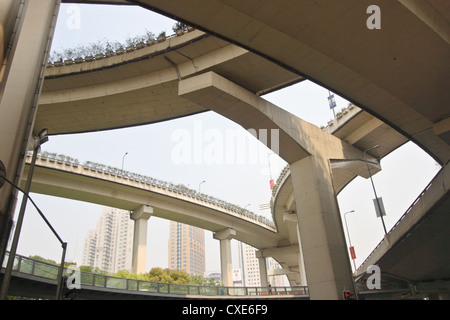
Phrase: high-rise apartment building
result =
(110, 246)
(89, 249)
(249, 265)
(187, 248)
(250, 268)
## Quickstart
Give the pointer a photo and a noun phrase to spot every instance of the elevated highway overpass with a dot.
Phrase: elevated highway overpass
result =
(145, 197)
(415, 251)
(77, 96)
(133, 79)
(398, 73)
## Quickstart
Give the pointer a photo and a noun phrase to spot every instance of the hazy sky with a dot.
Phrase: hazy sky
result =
(150, 152)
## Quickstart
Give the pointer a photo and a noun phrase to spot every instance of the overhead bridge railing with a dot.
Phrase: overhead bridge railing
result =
(91, 281)
(127, 177)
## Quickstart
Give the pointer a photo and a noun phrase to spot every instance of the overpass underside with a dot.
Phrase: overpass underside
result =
(413, 258)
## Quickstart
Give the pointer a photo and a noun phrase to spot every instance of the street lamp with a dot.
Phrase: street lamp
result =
(40, 139)
(199, 185)
(349, 241)
(373, 187)
(123, 159)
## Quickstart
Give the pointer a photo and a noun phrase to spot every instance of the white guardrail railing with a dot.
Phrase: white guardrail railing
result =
(131, 176)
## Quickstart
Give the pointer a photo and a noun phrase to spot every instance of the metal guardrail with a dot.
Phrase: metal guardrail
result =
(91, 281)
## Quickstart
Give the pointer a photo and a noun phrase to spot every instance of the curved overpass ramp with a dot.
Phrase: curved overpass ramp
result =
(399, 73)
(108, 188)
(90, 95)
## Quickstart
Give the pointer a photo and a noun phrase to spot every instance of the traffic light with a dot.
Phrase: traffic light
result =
(347, 295)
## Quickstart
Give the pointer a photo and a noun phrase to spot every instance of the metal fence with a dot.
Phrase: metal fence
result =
(92, 280)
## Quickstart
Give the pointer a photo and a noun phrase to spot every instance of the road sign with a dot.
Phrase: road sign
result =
(352, 253)
(381, 209)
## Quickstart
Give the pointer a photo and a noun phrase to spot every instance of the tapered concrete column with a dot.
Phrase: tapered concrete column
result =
(20, 87)
(327, 264)
(262, 269)
(9, 10)
(140, 217)
(226, 265)
(292, 218)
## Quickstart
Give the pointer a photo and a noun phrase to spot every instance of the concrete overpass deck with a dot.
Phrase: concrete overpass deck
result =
(401, 78)
(399, 73)
(169, 201)
(416, 249)
(77, 96)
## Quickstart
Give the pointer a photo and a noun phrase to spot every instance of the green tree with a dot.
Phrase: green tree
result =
(202, 281)
(159, 275)
(178, 276)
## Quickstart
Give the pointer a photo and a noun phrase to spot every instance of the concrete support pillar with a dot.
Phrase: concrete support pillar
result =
(140, 217)
(292, 218)
(20, 87)
(326, 260)
(262, 269)
(226, 264)
(9, 11)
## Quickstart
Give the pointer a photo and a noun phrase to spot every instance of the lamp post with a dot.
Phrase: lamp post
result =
(373, 187)
(199, 185)
(123, 159)
(348, 236)
(40, 139)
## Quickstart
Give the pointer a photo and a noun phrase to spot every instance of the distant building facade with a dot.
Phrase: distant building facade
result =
(186, 248)
(250, 268)
(110, 246)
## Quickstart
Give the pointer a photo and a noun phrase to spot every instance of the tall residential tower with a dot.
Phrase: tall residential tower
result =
(187, 248)
(110, 246)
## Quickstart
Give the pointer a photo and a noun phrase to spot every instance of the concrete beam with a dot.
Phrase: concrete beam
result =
(142, 212)
(442, 126)
(363, 131)
(297, 138)
(216, 93)
(271, 252)
(225, 234)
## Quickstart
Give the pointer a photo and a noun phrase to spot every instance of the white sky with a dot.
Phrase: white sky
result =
(405, 172)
